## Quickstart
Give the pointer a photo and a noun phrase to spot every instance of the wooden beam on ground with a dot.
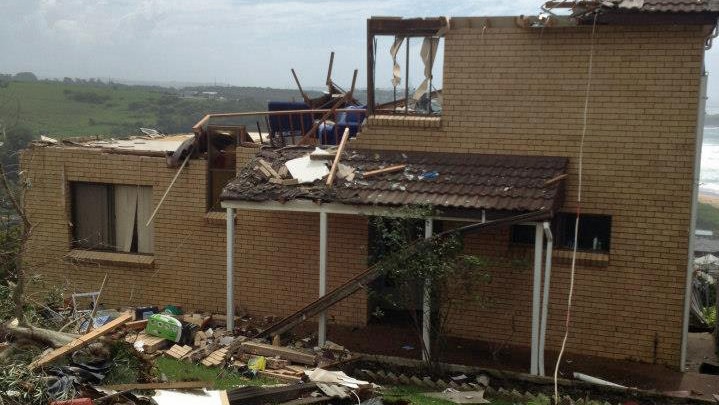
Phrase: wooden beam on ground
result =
(292, 355)
(136, 325)
(251, 395)
(390, 169)
(338, 156)
(80, 342)
(180, 385)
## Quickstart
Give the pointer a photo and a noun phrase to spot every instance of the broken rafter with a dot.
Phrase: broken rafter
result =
(390, 169)
(343, 100)
(299, 86)
(338, 156)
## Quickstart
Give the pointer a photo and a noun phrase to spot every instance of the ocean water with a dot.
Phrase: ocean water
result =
(709, 175)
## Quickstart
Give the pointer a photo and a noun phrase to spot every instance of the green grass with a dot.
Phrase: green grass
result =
(176, 370)
(413, 395)
(707, 217)
(45, 107)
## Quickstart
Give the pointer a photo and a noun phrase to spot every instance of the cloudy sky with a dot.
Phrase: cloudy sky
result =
(227, 41)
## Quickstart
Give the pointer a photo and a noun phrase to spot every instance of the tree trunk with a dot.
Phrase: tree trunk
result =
(19, 291)
(45, 336)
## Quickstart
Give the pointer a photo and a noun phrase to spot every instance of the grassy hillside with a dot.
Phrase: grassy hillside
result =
(708, 217)
(60, 109)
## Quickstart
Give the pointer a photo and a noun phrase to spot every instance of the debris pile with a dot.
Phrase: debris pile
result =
(75, 365)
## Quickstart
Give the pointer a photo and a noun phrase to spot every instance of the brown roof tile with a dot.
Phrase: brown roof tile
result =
(468, 181)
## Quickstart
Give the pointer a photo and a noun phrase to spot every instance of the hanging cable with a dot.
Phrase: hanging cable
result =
(579, 205)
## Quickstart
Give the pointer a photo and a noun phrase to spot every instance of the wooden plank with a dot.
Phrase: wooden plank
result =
(257, 395)
(150, 344)
(178, 352)
(82, 341)
(284, 182)
(136, 325)
(555, 179)
(215, 358)
(268, 167)
(180, 385)
(283, 352)
(279, 376)
(338, 156)
(390, 169)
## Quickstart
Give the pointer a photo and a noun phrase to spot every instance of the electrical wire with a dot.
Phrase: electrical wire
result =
(579, 206)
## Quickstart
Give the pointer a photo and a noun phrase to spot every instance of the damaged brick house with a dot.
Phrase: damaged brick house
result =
(511, 119)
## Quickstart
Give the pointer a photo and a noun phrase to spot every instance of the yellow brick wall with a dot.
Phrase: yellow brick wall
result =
(521, 91)
(505, 91)
(276, 254)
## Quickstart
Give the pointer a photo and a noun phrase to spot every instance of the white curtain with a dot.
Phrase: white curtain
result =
(145, 237)
(396, 70)
(125, 210)
(428, 52)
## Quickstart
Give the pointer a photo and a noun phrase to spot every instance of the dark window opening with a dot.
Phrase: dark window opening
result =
(111, 217)
(594, 232)
(221, 162)
(522, 234)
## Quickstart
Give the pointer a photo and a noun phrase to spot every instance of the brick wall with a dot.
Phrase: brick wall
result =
(506, 90)
(521, 91)
(276, 254)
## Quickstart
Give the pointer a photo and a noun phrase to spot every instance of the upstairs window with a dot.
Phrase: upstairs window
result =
(112, 217)
(405, 58)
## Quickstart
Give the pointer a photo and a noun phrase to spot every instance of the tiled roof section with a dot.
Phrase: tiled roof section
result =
(470, 181)
(666, 6)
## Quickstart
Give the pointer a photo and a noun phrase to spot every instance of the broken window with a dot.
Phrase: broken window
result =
(222, 143)
(405, 55)
(594, 232)
(112, 217)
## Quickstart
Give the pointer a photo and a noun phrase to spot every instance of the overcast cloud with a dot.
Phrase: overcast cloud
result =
(227, 41)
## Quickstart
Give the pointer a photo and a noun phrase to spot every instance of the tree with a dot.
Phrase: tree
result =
(437, 265)
(13, 140)
(25, 77)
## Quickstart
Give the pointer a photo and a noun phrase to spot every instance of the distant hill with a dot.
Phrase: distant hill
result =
(66, 109)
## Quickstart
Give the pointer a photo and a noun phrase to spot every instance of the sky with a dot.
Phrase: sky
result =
(244, 43)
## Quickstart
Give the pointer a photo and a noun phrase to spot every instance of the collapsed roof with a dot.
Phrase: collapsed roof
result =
(442, 180)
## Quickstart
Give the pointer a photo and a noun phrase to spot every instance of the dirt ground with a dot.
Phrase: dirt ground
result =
(402, 342)
(700, 348)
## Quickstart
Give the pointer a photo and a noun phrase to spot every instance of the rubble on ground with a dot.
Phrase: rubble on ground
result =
(70, 364)
(41, 365)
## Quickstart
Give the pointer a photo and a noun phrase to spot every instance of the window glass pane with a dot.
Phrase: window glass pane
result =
(91, 216)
